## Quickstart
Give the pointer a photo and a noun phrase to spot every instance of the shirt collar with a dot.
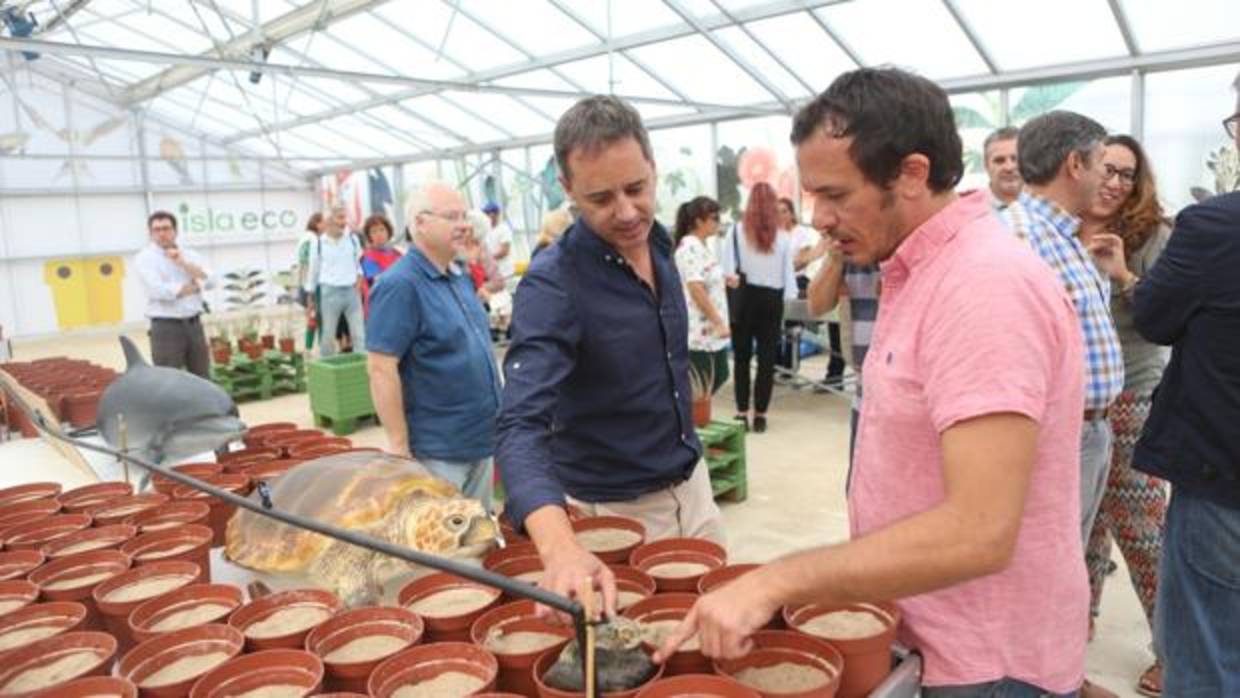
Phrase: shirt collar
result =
(928, 238)
(1063, 222)
(660, 242)
(423, 264)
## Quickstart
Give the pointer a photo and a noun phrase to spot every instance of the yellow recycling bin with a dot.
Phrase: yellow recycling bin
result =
(86, 291)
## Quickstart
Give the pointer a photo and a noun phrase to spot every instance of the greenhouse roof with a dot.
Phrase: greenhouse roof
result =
(349, 82)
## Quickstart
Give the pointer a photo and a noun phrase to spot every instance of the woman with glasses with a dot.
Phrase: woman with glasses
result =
(1127, 219)
(697, 221)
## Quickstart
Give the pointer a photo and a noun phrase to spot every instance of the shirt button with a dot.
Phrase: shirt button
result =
(676, 394)
(669, 356)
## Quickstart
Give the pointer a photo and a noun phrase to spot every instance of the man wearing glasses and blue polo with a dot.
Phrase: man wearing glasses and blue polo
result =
(433, 376)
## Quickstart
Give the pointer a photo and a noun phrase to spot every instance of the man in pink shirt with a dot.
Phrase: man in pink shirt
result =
(969, 430)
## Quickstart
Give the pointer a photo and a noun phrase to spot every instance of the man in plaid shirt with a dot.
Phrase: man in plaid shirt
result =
(1060, 157)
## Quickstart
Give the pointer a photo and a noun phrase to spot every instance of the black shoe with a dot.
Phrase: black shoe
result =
(743, 419)
(759, 424)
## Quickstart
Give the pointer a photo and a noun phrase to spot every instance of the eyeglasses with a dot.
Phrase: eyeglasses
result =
(1127, 176)
(1231, 124)
(451, 216)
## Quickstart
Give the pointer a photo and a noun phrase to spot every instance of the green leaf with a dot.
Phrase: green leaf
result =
(1040, 99)
(968, 117)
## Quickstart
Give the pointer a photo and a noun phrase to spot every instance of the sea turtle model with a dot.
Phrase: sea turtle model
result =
(387, 497)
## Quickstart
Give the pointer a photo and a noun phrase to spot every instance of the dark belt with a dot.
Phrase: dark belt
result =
(179, 320)
(1095, 415)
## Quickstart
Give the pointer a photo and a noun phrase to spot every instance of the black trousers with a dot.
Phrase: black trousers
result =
(180, 344)
(761, 317)
(835, 367)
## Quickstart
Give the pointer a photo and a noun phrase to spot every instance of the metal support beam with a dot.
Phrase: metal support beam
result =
(835, 36)
(1125, 28)
(971, 35)
(298, 21)
(1137, 126)
(766, 49)
(62, 15)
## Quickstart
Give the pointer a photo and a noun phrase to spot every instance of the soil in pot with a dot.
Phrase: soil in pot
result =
(168, 665)
(16, 594)
(39, 621)
(89, 496)
(516, 637)
(34, 534)
(284, 619)
(74, 578)
(188, 607)
(56, 660)
(24, 493)
(867, 654)
(785, 664)
(353, 643)
(660, 615)
(280, 673)
(440, 670)
(31, 510)
(117, 510)
(698, 686)
(120, 595)
(97, 687)
(611, 538)
(678, 563)
(102, 538)
(448, 604)
(190, 543)
(170, 515)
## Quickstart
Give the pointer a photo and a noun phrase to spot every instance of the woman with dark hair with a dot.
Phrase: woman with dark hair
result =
(1127, 219)
(758, 262)
(379, 254)
(314, 228)
(697, 221)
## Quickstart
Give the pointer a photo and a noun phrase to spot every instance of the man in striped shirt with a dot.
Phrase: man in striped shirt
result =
(1060, 157)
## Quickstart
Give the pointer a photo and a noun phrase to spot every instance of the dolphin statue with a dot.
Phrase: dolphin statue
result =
(169, 414)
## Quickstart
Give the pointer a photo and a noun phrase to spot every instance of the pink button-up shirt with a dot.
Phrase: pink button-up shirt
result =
(973, 323)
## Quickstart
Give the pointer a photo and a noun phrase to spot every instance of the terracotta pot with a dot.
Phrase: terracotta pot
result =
(148, 658)
(121, 508)
(80, 407)
(629, 581)
(782, 646)
(254, 351)
(195, 470)
(240, 465)
(221, 354)
(670, 607)
(86, 540)
(145, 621)
(51, 618)
(19, 563)
(526, 569)
(399, 623)
(701, 412)
(867, 660)
(16, 594)
(281, 440)
(613, 556)
(97, 687)
(115, 598)
(254, 671)
(513, 551)
(424, 663)
(80, 499)
(515, 668)
(509, 530)
(716, 578)
(288, 345)
(268, 341)
(444, 628)
(698, 686)
(314, 448)
(678, 550)
(82, 566)
(24, 493)
(546, 659)
(31, 510)
(189, 543)
(44, 652)
(221, 511)
(270, 470)
(254, 445)
(170, 515)
(264, 608)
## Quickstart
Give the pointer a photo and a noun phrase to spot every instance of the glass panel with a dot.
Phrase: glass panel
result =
(593, 74)
(805, 47)
(903, 43)
(629, 17)
(410, 125)
(1167, 25)
(172, 35)
(657, 111)
(338, 55)
(552, 106)
(1106, 100)
(1046, 38)
(455, 121)
(684, 164)
(520, 208)
(757, 57)
(466, 42)
(517, 118)
(977, 115)
(537, 79)
(752, 151)
(267, 10)
(686, 63)
(534, 25)
(1184, 111)
(390, 47)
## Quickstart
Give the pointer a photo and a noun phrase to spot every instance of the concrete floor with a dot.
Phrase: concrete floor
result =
(796, 486)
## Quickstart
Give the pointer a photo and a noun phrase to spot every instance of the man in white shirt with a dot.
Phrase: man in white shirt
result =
(999, 151)
(500, 240)
(173, 278)
(336, 272)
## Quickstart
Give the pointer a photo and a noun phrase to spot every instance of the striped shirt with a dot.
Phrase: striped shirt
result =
(862, 284)
(1052, 233)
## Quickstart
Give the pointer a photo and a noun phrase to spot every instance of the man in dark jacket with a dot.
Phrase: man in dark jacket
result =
(1191, 301)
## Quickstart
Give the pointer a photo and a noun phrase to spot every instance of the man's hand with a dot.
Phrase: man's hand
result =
(174, 255)
(732, 280)
(725, 619)
(189, 289)
(1108, 253)
(567, 571)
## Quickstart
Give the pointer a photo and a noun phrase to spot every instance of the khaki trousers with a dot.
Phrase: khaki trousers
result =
(687, 510)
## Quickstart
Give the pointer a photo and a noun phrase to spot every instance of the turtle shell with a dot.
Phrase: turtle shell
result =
(355, 491)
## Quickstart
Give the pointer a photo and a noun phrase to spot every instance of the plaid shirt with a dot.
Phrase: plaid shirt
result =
(1052, 233)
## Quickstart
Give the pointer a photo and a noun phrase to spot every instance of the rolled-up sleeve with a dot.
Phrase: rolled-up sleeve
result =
(152, 282)
(545, 335)
(197, 259)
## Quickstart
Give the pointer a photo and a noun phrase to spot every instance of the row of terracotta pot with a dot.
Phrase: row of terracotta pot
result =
(71, 388)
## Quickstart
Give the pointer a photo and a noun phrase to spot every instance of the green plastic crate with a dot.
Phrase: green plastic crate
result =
(340, 387)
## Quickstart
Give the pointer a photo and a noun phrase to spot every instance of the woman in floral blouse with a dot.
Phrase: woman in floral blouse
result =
(697, 221)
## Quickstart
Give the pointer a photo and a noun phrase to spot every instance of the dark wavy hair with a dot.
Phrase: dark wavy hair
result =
(1140, 216)
(312, 224)
(761, 218)
(692, 211)
(378, 219)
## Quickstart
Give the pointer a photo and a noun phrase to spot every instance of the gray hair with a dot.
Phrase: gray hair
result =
(1046, 142)
(1007, 133)
(595, 122)
(420, 199)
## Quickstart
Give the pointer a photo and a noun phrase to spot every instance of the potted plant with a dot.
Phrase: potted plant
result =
(268, 338)
(701, 383)
(221, 344)
(288, 344)
(248, 340)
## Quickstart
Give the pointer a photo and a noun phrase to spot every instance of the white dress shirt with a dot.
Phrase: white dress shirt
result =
(163, 279)
(502, 235)
(772, 269)
(333, 262)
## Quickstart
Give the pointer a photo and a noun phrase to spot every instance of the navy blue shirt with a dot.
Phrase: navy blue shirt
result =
(437, 326)
(597, 397)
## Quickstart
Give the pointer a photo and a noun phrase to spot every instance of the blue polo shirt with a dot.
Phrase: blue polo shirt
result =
(437, 326)
(596, 394)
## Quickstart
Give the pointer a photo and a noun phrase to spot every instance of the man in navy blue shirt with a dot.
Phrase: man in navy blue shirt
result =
(432, 372)
(596, 407)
